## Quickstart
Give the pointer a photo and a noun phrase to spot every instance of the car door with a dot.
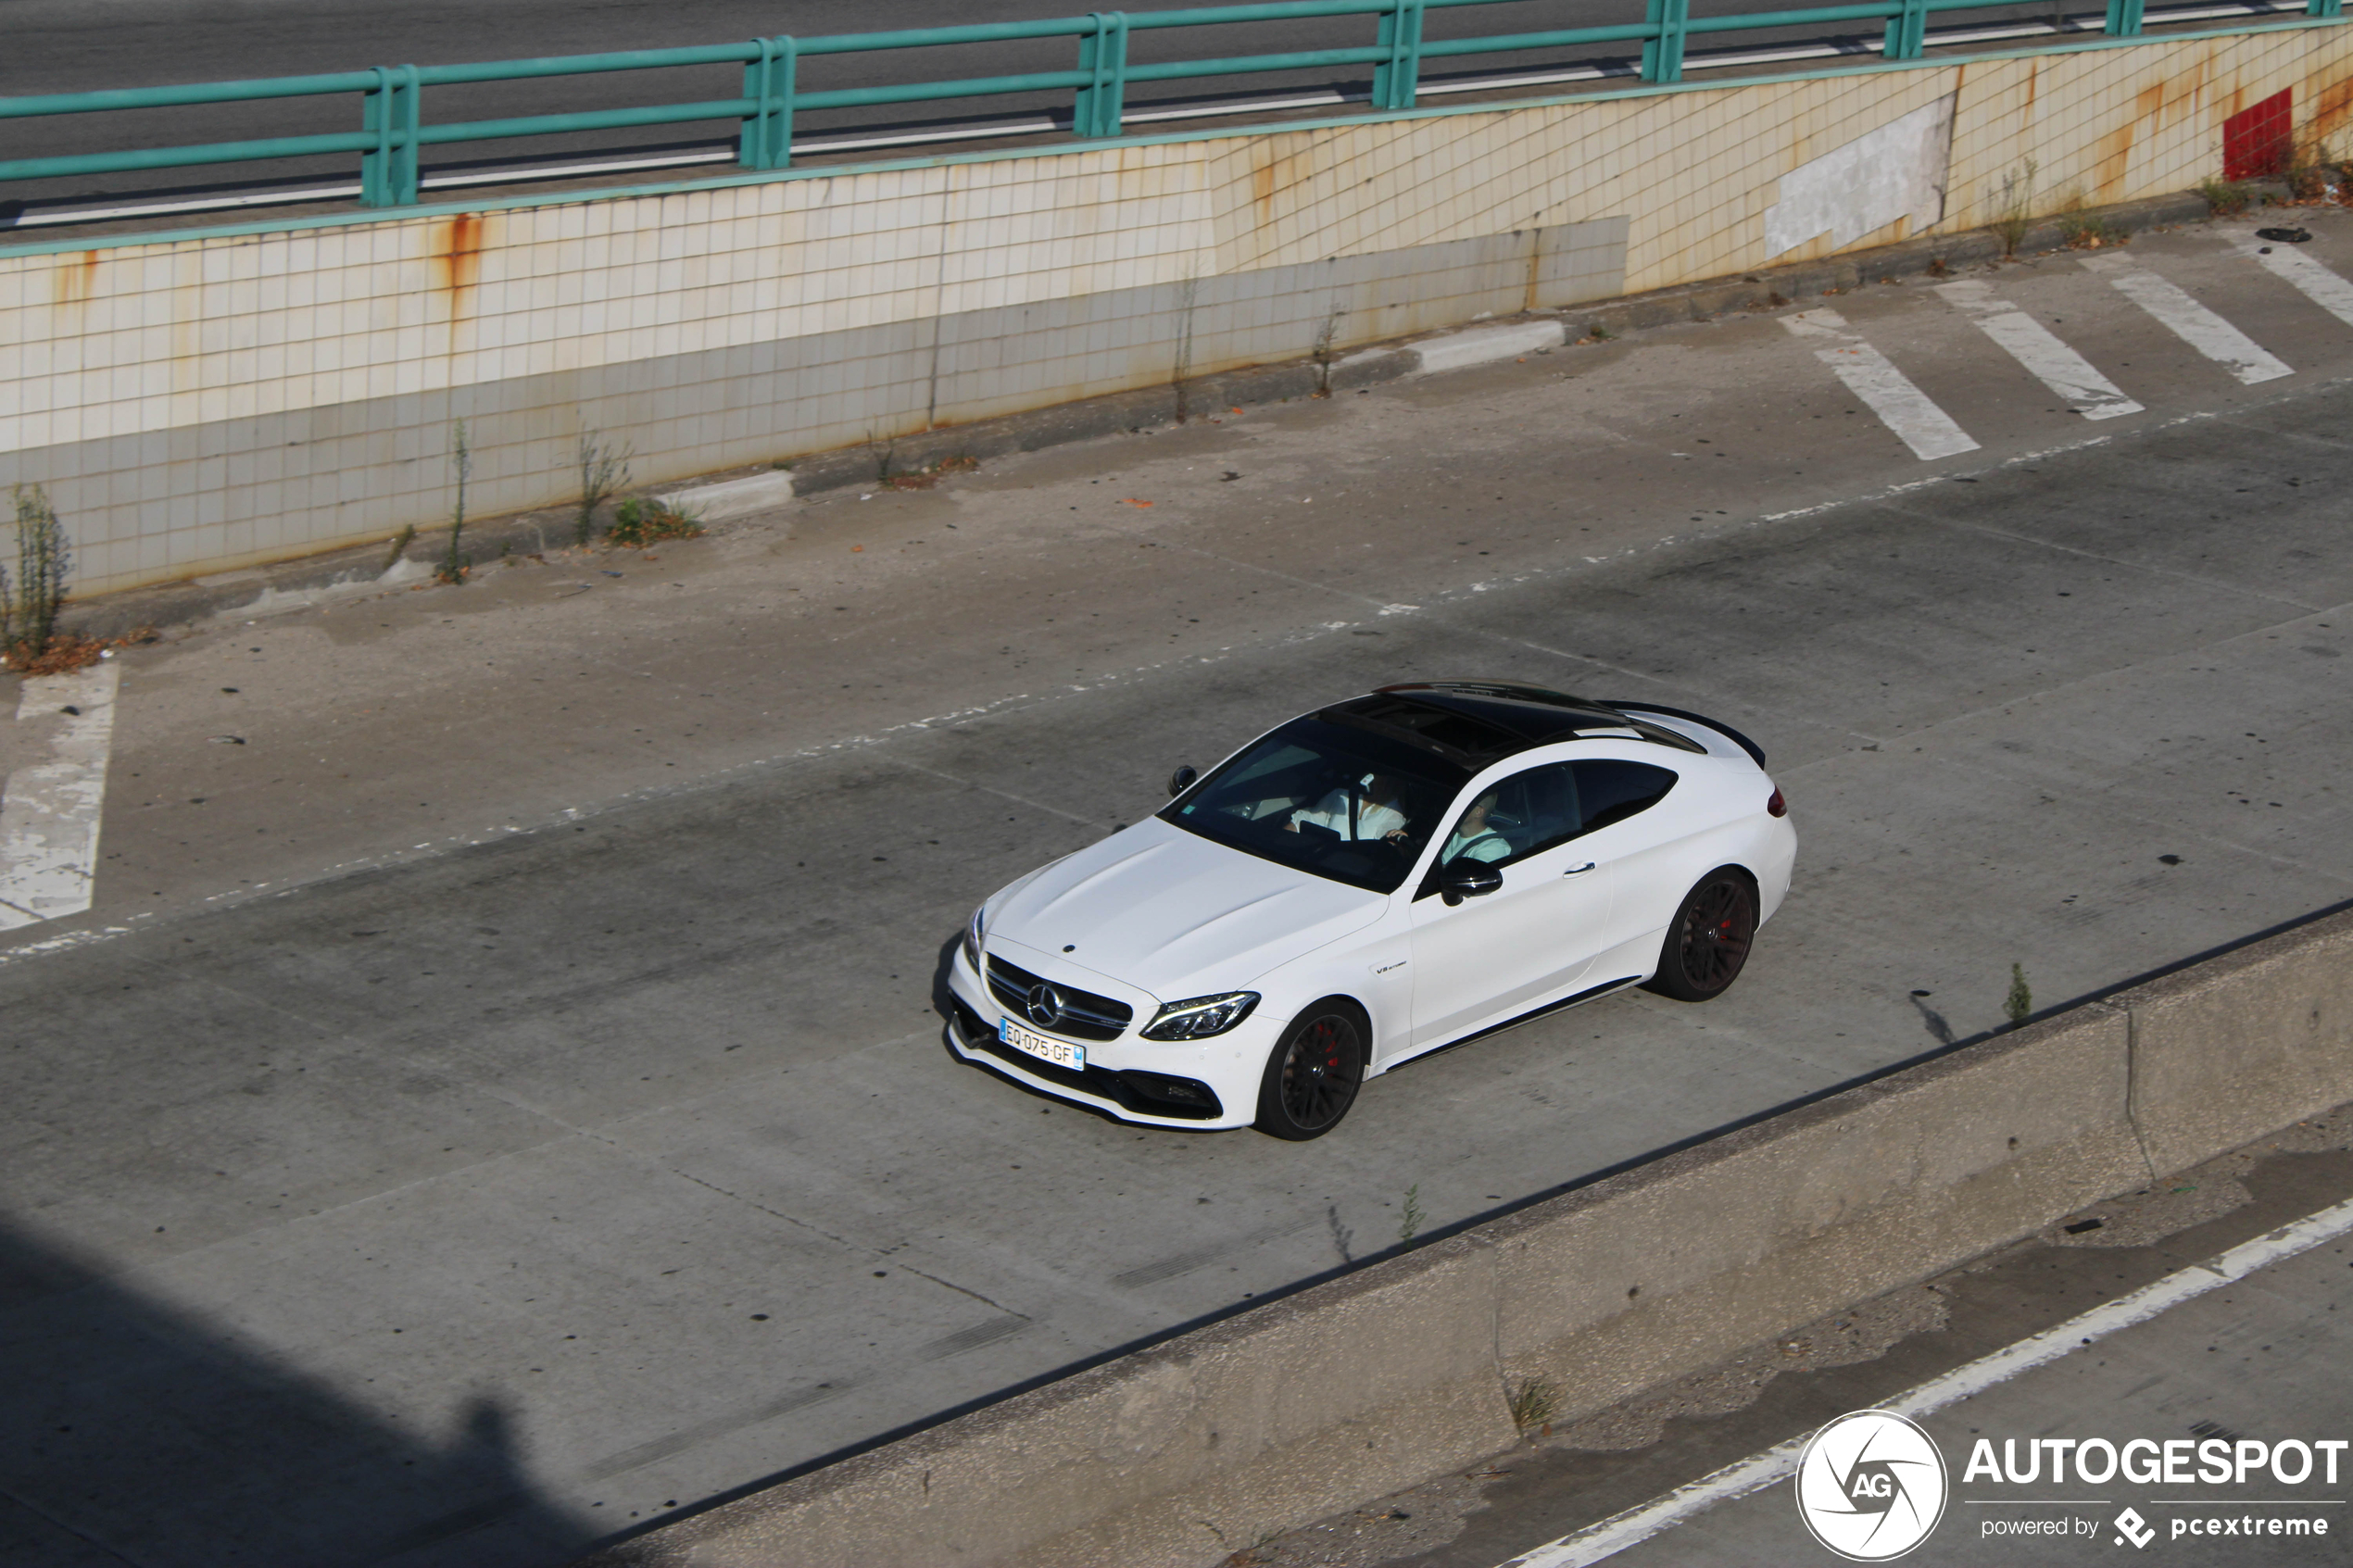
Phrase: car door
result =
(1631, 828)
(1492, 956)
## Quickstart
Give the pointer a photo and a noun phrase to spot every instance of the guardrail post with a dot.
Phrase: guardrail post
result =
(1103, 54)
(1398, 78)
(388, 170)
(2123, 18)
(1663, 55)
(766, 142)
(2331, 9)
(1906, 31)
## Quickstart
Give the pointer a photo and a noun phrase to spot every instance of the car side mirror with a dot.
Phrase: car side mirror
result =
(1182, 779)
(1467, 879)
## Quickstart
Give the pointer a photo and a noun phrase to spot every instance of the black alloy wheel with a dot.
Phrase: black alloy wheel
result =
(1313, 1072)
(1709, 939)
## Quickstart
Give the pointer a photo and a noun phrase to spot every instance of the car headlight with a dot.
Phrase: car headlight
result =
(1201, 1017)
(971, 940)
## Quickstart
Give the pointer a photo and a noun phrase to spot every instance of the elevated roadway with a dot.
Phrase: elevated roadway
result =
(58, 47)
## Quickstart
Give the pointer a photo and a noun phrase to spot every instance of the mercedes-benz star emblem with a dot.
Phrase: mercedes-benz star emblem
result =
(1044, 1006)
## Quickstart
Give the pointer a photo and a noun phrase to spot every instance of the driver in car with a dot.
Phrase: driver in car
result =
(1365, 814)
(1473, 839)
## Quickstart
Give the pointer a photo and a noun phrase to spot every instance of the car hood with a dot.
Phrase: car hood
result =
(1176, 915)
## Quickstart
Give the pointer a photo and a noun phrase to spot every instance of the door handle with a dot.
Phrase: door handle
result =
(1578, 871)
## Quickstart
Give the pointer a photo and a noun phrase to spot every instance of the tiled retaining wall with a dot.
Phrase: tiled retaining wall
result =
(216, 399)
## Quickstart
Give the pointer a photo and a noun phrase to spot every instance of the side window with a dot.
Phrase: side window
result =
(1525, 815)
(1611, 791)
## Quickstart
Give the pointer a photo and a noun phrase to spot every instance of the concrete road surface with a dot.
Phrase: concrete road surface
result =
(497, 1099)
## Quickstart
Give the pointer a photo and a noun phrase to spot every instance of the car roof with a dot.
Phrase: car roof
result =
(1478, 723)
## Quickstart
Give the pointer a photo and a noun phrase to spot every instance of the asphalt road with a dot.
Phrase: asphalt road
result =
(497, 1099)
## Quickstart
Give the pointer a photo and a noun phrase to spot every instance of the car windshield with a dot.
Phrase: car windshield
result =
(1328, 799)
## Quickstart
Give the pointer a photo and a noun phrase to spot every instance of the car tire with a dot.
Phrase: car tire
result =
(1315, 1071)
(1709, 939)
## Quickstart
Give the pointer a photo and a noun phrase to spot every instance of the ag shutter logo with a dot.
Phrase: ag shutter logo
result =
(1872, 1485)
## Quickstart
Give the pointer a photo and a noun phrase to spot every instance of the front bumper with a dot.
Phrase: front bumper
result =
(1198, 1086)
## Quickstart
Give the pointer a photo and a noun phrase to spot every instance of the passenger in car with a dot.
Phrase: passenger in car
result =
(1364, 814)
(1473, 839)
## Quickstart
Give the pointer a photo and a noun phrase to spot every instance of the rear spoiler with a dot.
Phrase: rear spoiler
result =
(1720, 727)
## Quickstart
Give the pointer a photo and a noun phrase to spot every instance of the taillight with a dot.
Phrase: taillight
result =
(1777, 806)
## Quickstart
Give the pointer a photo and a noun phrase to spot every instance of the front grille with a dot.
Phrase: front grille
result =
(1141, 1093)
(1085, 1016)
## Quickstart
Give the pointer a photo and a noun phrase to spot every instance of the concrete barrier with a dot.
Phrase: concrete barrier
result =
(2229, 1049)
(1177, 1456)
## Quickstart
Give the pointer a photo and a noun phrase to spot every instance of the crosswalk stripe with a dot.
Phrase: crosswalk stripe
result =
(49, 811)
(2191, 321)
(1927, 429)
(2036, 347)
(2319, 285)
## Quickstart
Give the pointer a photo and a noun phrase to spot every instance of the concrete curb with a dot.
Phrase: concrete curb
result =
(1176, 1456)
(724, 497)
(731, 498)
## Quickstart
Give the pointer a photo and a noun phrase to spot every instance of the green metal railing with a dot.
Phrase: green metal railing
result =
(393, 132)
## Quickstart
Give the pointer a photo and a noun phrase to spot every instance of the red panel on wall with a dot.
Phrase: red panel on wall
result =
(2257, 142)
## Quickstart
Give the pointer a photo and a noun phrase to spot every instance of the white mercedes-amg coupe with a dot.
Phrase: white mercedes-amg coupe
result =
(1370, 881)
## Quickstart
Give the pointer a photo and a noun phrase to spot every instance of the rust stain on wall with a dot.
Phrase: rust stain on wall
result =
(1273, 172)
(456, 259)
(2162, 103)
(2332, 106)
(74, 278)
(2185, 91)
(2112, 159)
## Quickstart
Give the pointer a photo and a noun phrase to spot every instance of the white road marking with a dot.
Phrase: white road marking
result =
(1927, 429)
(2050, 361)
(1611, 1536)
(2191, 321)
(2321, 286)
(49, 811)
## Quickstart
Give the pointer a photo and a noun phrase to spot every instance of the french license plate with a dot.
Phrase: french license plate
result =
(1060, 1053)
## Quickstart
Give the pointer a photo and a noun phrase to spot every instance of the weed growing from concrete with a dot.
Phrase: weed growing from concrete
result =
(31, 641)
(2020, 1004)
(2083, 231)
(1410, 1224)
(454, 565)
(1181, 370)
(2315, 175)
(604, 468)
(924, 478)
(1321, 352)
(2225, 198)
(1533, 1404)
(2014, 212)
(29, 605)
(641, 521)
